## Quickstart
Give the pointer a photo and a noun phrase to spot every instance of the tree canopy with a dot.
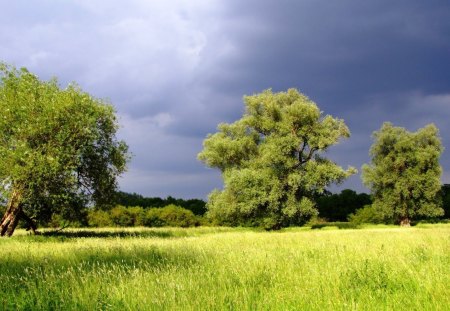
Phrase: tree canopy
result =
(58, 150)
(404, 175)
(272, 161)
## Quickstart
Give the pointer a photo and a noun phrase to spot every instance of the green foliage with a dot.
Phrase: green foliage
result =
(133, 199)
(370, 214)
(404, 176)
(337, 207)
(99, 218)
(271, 161)
(170, 216)
(446, 201)
(152, 218)
(58, 149)
(58, 221)
(121, 216)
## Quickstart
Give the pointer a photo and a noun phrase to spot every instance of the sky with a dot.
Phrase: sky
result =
(175, 69)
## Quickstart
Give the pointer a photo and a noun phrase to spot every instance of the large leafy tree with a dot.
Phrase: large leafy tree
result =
(272, 161)
(404, 175)
(58, 150)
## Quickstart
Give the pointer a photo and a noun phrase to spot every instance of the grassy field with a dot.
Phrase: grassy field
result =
(380, 268)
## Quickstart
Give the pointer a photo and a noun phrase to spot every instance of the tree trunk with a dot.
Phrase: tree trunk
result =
(12, 214)
(405, 222)
(30, 222)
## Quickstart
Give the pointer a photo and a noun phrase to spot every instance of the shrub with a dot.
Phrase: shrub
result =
(122, 216)
(368, 214)
(58, 221)
(152, 218)
(99, 219)
(137, 215)
(171, 215)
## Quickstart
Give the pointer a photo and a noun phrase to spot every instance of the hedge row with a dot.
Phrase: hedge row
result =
(120, 216)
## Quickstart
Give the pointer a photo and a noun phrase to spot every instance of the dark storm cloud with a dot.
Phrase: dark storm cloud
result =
(328, 48)
(366, 62)
(176, 69)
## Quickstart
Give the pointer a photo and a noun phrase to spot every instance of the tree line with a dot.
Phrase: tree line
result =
(129, 209)
(59, 157)
(132, 209)
(197, 206)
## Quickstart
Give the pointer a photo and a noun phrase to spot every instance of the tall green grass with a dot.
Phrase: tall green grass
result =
(228, 269)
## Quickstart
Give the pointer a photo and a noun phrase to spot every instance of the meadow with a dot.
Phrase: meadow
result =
(375, 268)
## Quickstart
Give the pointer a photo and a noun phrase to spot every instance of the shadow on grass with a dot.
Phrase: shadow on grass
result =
(44, 276)
(96, 260)
(339, 225)
(112, 234)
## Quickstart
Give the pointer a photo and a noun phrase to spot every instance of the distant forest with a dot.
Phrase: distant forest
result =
(197, 206)
(331, 206)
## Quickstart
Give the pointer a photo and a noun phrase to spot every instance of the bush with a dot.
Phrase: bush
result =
(171, 215)
(99, 219)
(122, 216)
(58, 221)
(152, 218)
(368, 214)
(137, 215)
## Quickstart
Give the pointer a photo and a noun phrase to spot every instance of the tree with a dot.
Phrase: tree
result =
(58, 150)
(445, 191)
(272, 161)
(337, 207)
(404, 175)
